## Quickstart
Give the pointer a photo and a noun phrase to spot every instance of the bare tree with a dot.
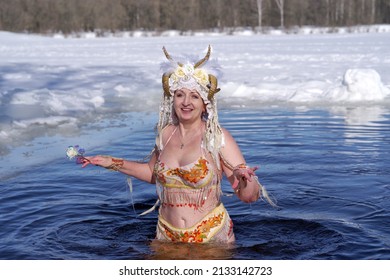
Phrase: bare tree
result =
(327, 22)
(373, 11)
(260, 12)
(280, 4)
(340, 11)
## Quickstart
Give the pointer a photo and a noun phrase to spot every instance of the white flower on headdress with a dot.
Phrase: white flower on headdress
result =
(184, 71)
(202, 76)
(187, 72)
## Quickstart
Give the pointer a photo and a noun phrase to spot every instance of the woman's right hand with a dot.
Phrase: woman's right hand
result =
(103, 161)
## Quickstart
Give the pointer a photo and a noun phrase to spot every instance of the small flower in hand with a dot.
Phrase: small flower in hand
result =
(77, 153)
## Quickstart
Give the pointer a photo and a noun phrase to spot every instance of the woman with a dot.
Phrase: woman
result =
(192, 151)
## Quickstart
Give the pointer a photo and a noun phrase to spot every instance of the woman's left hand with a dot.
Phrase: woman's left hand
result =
(243, 173)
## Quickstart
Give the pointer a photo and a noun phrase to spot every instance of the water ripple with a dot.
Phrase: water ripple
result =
(328, 175)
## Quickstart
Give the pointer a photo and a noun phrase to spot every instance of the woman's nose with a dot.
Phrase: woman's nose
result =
(186, 100)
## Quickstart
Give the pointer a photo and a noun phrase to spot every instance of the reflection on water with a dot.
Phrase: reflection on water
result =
(361, 116)
(180, 251)
(363, 127)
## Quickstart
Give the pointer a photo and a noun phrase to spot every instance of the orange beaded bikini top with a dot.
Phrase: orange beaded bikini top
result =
(188, 185)
(197, 174)
(194, 175)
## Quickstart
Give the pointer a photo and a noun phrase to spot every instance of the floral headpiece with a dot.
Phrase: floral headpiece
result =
(201, 76)
(191, 76)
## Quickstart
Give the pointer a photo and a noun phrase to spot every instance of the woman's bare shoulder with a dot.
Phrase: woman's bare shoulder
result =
(167, 132)
(227, 136)
(230, 150)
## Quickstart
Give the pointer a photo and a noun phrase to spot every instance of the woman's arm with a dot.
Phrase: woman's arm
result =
(241, 177)
(141, 171)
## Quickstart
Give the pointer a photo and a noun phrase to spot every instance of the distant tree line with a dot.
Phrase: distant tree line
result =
(67, 16)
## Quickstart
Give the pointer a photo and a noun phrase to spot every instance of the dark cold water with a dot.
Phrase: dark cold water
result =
(329, 171)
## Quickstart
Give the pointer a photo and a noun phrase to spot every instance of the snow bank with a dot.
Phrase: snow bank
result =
(359, 85)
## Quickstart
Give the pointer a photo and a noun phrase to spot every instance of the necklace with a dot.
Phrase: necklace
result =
(183, 143)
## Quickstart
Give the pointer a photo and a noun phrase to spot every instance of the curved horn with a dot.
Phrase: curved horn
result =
(165, 83)
(169, 57)
(204, 60)
(213, 87)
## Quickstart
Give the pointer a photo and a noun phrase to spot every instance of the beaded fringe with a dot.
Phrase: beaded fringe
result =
(177, 197)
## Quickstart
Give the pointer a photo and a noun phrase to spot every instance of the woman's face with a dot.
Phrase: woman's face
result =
(188, 105)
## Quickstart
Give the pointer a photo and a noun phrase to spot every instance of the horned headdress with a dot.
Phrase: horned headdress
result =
(200, 75)
(184, 73)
